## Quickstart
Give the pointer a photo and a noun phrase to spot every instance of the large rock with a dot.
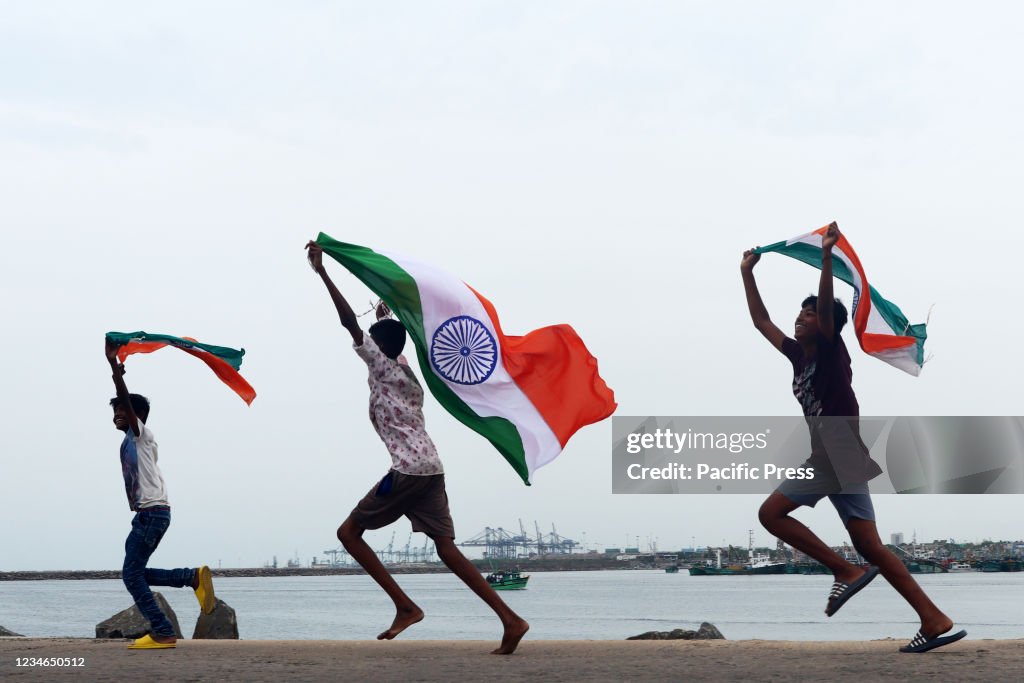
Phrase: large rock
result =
(709, 632)
(130, 623)
(706, 632)
(4, 633)
(220, 624)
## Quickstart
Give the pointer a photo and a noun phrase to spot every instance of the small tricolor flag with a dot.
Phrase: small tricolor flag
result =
(882, 329)
(225, 362)
(526, 395)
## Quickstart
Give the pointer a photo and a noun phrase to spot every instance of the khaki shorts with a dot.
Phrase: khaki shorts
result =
(422, 499)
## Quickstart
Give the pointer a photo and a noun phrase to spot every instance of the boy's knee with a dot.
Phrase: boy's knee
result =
(348, 532)
(869, 551)
(767, 515)
(869, 546)
(131, 569)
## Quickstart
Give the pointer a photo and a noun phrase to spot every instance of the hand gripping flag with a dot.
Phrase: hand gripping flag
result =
(526, 395)
(882, 329)
(224, 361)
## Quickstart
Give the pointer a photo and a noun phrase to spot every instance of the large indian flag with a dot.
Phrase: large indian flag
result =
(527, 395)
(882, 329)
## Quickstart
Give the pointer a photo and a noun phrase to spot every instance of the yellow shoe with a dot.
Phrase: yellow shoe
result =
(146, 642)
(204, 591)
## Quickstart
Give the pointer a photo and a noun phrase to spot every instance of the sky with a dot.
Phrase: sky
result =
(602, 164)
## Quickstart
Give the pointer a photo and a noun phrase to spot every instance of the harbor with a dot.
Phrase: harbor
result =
(500, 549)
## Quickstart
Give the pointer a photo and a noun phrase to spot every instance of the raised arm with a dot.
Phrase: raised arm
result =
(826, 320)
(117, 374)
(345, 313)
(758, 312)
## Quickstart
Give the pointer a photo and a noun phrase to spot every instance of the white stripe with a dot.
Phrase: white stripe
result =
(904, 358)
(875, 323)
(443, 296)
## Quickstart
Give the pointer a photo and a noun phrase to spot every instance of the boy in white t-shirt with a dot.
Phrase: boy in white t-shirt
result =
(147, 497)
(414, 486)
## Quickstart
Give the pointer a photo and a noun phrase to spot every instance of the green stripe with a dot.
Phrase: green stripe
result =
(398, 290)
(890, 313)
(232, 357)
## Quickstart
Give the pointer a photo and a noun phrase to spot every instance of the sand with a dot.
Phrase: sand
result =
(463, 661)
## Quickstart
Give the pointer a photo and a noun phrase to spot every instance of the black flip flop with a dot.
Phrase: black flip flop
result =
(922, 643)
(841, 592)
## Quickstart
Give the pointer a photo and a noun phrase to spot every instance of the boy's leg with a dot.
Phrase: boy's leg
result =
(514, 625)
(147, 530)
(430, 515)
(198, 579)
(864, 535)
(176, 578)
(407, 612)
(774, 516)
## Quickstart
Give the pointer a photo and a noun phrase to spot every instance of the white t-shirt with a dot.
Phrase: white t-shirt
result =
(396, 411)
(143, 482)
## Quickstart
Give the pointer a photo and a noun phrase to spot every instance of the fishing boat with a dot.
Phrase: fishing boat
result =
(672, 569)
(757, 564)
(1007, 564)
(762, 564)
(507, 580)
(922, 566)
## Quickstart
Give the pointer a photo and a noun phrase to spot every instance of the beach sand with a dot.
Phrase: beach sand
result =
(462, 661)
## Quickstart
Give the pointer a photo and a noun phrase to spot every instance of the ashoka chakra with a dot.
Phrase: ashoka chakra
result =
(463, 350)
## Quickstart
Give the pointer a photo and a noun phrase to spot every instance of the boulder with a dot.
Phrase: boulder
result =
(130, 623)
(220, 624)
(675, 634)
(4, 633)
(707, 632)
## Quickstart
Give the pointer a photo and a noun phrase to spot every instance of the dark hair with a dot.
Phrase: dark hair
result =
(140, 405)
(390, 335)
(839, 314)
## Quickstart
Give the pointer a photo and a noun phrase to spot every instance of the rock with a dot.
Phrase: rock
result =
(4, 633)
(130, 623)
(675, 634)
(707, 632)
(220, 624)
(649, 635)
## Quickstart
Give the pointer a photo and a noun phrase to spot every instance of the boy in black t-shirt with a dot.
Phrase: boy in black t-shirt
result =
(822, 384)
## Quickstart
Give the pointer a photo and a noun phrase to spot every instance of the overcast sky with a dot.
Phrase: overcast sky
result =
(602, 164)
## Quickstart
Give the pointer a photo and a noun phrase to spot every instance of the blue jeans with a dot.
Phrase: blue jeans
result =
(148, 527)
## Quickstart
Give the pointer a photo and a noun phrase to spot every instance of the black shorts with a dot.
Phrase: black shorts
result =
(422, 499)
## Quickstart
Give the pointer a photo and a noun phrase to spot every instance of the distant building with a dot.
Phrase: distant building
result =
(896, 539)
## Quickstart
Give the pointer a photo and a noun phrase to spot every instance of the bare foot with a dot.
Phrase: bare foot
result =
(936, 626)
(403, 620)
(514, 632)
(172, 639)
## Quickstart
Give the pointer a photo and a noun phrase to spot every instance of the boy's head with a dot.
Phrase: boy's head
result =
(807, 320)
(389, 335)
(140, 405)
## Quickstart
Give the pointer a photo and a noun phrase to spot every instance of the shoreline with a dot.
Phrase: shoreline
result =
(595, 660)
(239, 572)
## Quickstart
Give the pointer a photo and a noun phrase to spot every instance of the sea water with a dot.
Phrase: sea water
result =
(559, 606)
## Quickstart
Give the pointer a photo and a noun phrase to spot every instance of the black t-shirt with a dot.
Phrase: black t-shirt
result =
(823, 384)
